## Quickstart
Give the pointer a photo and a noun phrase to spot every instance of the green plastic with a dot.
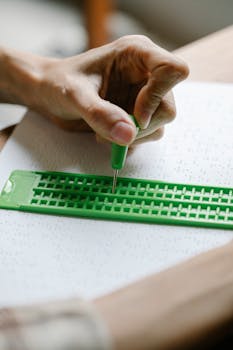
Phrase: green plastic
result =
(119, 153)
(134, 199)
(118, 156)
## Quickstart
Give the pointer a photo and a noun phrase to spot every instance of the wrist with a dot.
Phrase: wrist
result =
(20, 76)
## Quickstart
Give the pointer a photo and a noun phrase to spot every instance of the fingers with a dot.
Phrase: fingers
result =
(165, 113)
(155, 136)
(166, 70)
(108, 120)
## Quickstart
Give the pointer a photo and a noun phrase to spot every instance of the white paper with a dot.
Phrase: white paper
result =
(43, 257)
(10, 115)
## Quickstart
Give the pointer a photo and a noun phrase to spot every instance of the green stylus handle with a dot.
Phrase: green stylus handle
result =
(119, 152)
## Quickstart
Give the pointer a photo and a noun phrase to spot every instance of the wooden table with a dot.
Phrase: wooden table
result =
(209, 59)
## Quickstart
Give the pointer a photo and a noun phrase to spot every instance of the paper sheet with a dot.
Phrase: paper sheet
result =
(43, 257)
(10, 115)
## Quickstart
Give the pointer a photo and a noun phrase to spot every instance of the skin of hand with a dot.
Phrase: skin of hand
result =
(99, 88)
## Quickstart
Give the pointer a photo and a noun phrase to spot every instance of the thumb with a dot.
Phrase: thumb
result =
(106, 119)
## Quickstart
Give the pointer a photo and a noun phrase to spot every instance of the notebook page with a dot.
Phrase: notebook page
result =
(43, 257)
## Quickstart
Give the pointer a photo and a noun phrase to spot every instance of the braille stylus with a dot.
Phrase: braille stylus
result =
(118, 157)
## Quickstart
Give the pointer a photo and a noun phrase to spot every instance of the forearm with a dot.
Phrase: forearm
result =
(175, 309)
(20, 75)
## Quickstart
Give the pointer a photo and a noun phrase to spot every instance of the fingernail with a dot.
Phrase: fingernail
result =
(122, 133)
(144, 121)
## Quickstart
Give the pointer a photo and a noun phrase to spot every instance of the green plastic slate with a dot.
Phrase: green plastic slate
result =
(138, 200)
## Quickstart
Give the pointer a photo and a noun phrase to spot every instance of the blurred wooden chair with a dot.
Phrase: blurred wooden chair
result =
(96, 14)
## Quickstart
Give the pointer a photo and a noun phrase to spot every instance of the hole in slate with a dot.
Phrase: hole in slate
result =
(120, 200)
(221, 217)
(202, 216)
(211, 216)
(196, 198)
(126, 210)
(159, 194)
(117, 209)
(145, 211)
(52, 203)
(154, 212)
(98, 206)
(168, 195)
(50, 185)
(58, 186)
(224, 200)
(104, 190)
(230, 218)
(43, 201)
(70, 204)
(177, 196)
(187, 196)
(164, 212)
(192, 215)
(183, 214)
(108, 208)
(95, 189)
(61, 204)
(41, 184)
(79, 205)
(68, 187)
(215, 199)
(205, 198)
(173, 213)
(34, 201)
(73, 197)
(150, 194)
(135, 210)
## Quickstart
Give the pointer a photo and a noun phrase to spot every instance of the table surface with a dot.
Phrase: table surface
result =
(209, 59)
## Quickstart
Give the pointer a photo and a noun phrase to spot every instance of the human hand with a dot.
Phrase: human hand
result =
(102, 86)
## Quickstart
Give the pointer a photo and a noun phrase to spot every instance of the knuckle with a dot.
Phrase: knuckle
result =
(182, 68)
(158, 134)
(176, 67)
(155, 97)
(142, 38)
(132, 41)
(155, 136)
(94, 113)
(169, 111)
